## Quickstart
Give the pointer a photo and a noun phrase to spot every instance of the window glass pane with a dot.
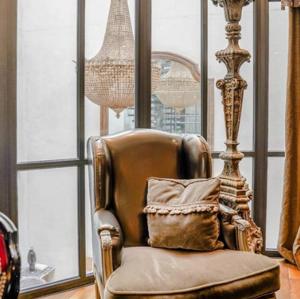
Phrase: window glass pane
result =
(277, 75)
(216, 71)
(46, 87)
(109, 85)
(48, 224)
(275, 188)
(175, 70)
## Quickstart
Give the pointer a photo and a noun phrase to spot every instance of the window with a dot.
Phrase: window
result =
(176, 49)
(277, 94)
(48, 224)
(47, 139)
(46, 80)
(56, 113)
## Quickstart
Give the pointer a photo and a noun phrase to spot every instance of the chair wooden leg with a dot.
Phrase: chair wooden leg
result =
(97, 291)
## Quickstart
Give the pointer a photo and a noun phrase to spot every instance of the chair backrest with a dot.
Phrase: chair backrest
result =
(121, 164)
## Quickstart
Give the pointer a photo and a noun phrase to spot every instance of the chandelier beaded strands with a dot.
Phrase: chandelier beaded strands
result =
(178, 88)
(109, 76)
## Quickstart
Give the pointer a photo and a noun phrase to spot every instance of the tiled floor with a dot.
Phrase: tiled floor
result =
(290, 286)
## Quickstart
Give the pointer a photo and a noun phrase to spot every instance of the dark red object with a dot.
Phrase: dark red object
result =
(9, 258)
(3, 254)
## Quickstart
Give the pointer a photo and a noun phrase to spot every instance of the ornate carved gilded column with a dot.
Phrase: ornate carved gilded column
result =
(235, 191)
(290, 3)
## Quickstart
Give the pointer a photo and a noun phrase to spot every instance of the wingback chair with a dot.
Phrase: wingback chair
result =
(124, 265)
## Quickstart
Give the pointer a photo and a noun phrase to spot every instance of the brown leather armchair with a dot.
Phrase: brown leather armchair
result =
(124, 265)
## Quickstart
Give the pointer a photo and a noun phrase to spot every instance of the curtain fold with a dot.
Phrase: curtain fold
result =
(289, 239)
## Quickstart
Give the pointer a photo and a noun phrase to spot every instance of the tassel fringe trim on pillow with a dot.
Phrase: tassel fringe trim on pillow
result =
(185, 210)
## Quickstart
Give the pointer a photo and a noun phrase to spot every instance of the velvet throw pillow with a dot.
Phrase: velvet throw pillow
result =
(183, 214)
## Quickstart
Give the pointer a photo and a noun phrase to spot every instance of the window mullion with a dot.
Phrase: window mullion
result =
(143, 63)
(204, 68)
(261, 82)
(80, 135)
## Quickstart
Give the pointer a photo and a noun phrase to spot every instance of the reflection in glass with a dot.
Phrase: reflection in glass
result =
(176, 96)
(176, 49)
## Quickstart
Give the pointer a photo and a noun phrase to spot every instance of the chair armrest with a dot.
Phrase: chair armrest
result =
(111, 241)
(236, 230)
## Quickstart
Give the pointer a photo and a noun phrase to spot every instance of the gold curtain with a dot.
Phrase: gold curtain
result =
(289, 239)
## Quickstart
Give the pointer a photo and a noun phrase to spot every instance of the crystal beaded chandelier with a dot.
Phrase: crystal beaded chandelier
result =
(109, 76)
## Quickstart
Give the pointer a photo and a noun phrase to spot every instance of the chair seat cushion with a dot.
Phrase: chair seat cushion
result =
(147, 272)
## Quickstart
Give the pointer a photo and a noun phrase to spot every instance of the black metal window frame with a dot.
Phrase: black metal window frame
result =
(261, 121)
(143, 20)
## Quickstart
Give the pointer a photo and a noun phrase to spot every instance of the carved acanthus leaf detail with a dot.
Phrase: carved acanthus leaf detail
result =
(235, 192)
